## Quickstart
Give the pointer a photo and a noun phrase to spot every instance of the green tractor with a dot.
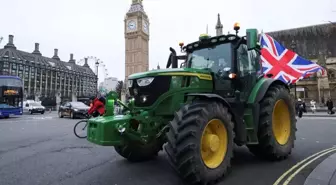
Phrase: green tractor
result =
(218, 97)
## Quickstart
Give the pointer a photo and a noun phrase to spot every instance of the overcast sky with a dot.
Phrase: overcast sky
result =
(96, 28)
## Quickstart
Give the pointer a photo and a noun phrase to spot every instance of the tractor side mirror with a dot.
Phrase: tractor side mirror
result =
(251, 38)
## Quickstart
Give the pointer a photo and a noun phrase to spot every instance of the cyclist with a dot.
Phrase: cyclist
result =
(97, 108)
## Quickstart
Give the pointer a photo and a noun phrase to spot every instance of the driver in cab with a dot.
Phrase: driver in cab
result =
(97, 108)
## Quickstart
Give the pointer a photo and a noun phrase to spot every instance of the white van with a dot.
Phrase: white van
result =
(31, 107)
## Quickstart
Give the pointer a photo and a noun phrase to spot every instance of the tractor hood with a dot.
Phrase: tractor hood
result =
(200, 73)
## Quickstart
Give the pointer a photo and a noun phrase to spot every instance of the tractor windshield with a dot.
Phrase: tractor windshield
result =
(218, 57)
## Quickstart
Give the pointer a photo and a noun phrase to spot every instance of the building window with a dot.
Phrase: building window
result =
(5, 65)
(331, 74)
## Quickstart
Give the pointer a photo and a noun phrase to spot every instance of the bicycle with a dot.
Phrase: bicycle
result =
(83, 129)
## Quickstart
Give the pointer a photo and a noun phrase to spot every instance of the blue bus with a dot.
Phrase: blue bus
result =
(11, 96)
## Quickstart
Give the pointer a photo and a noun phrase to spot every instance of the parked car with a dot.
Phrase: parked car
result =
(33, 107)
(73, 109)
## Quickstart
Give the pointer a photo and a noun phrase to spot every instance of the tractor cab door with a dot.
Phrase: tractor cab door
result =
(221, 68)
(248, 71)
(247, 75)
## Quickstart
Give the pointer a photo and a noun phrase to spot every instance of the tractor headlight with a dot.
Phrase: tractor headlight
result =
(129, 83)
(121, 129)
(145, 81)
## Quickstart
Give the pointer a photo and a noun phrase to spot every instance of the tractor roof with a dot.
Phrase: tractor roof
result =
(206, 40)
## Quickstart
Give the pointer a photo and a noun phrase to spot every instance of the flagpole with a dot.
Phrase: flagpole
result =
(293, 47)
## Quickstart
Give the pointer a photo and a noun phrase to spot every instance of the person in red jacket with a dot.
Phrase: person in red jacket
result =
(97, 108)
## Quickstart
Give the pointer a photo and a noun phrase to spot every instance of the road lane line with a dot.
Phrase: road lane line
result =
(300, 163)
(305, 165)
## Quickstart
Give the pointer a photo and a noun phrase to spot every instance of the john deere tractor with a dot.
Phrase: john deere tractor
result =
(197, 111)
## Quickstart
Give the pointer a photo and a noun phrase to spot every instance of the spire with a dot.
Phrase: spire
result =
(136, 6)
(158, 66)
(137, 2)
(219, 27)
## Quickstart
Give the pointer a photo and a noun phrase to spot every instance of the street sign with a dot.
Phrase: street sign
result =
(300, 89)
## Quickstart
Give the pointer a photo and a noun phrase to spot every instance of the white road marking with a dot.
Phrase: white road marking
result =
(318, 118)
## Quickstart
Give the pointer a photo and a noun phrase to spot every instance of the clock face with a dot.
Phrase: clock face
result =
(145, 27)
(131, 25)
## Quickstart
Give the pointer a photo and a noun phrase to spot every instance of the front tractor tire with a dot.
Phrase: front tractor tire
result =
(277, 126)
(200, 142)
(137, 152)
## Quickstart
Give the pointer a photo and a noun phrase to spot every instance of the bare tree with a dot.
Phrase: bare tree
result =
(119, 87)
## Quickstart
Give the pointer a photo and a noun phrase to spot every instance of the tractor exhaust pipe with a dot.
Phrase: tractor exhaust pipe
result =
(172, 60)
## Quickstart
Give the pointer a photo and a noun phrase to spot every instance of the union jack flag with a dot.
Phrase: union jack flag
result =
(284, 64)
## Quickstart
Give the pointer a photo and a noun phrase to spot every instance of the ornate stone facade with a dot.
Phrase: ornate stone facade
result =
(47, 77)
(317, 43)
(136, 41)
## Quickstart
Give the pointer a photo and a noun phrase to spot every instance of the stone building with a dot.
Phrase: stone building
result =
(316, 43)
(47, 77)
(136, 41)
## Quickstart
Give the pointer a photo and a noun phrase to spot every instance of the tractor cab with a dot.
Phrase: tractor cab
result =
(233, 61)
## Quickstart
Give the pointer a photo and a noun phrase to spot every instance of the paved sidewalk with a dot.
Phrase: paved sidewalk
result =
(318, 114)
(324, 173)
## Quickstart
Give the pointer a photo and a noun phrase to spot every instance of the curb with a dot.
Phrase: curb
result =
(324, 173)
(319, 115)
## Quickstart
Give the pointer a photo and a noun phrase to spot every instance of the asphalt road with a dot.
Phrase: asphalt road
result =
(42, 150)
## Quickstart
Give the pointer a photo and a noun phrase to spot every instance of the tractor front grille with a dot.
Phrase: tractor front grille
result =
(147, 95)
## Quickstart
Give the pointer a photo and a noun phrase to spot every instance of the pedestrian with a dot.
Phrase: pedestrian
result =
(300, 108)
(330, 106)
(313, 106)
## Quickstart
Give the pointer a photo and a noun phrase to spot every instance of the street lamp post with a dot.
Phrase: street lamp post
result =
(97, 65)
(25, 94)
(293, 46)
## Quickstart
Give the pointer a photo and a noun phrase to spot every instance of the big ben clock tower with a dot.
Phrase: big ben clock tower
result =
(136, 39)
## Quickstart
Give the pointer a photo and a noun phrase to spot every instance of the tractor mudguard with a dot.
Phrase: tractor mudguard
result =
(265, 86)
(239, 128)
(210, 95)
(108, 130)
(258, 93)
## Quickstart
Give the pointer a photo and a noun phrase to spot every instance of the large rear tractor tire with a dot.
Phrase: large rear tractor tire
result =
(200, 142)
(277, 126)
(137, 152)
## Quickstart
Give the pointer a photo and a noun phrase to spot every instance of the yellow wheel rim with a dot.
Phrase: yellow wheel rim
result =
(281, 123)
(214, 142)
